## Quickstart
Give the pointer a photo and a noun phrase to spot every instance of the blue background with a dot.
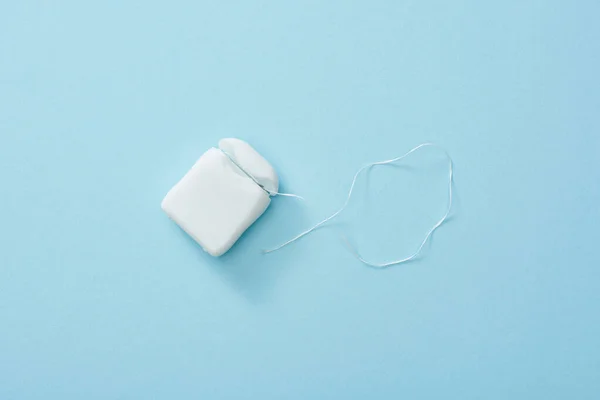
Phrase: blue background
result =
(105, 105)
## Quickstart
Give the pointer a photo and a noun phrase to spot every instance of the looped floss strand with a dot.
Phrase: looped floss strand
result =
(352, 249)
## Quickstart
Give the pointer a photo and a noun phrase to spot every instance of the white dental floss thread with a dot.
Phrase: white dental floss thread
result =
(335, 214)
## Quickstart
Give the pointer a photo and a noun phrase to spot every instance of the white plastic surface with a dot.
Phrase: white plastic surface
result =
(252, 162)
(215, 202)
